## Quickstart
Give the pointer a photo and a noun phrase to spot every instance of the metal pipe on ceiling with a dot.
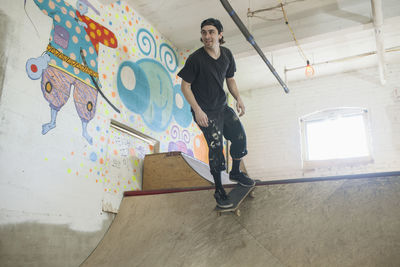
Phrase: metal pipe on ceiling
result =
(377, 14)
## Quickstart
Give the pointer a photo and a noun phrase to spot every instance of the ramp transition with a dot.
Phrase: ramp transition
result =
(325, 223)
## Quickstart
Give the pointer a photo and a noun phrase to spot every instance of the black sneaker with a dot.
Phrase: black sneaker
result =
(223, 200)
(242, 179)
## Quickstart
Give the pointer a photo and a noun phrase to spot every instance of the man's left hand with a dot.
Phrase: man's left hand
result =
(240, 107)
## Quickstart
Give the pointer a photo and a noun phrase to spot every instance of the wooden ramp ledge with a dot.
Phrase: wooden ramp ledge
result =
(176, 170)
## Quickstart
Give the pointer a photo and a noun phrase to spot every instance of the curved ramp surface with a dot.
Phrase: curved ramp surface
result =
(328, 223)
(178, 229)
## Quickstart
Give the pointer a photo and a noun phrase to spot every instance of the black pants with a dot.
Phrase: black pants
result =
(227, 124)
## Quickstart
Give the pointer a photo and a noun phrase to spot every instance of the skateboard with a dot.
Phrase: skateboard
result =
(237, 195)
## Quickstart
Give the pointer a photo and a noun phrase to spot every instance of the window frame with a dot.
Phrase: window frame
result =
(333, 113)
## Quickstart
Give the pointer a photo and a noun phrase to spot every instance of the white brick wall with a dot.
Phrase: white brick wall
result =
(273, 130)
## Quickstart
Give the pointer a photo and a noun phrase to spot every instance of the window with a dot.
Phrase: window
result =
(335, 137)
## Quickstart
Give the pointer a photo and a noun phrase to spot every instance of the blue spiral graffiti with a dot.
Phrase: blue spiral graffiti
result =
(159, 112)
(182, 115)
(169, 57)
(145, 40)
(136, 100)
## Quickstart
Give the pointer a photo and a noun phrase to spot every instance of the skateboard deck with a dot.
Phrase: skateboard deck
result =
(237, 195)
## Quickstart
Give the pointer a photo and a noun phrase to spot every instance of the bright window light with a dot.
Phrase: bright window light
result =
(335, 134)
(337, 138)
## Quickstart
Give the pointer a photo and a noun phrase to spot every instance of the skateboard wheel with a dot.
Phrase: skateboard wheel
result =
(253, 194)
(237, 212)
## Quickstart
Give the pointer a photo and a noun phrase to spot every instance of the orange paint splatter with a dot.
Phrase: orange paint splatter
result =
(107, 171)
(102, 139)
(97, 181)
(101, 161)
(113, 94)
(104, 76)
(72, 153)
(130, 23)
(115, 152)
(127, 9)
(90, 170)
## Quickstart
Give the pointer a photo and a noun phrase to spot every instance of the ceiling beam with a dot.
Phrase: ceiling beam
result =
(380, 48)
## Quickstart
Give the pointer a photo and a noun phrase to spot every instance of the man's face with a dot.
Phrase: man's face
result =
(210, 36)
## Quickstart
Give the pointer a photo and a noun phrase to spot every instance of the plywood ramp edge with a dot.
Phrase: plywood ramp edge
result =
(171, 170)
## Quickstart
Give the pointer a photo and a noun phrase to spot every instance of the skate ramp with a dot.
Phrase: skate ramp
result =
(177, 170)
(329, 223)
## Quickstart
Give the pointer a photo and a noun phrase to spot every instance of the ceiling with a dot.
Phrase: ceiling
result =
(326, 30)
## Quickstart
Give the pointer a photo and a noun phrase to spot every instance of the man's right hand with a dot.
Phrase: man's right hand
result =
(201, 118)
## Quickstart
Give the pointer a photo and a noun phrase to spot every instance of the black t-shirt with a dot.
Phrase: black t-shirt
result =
(206, 76)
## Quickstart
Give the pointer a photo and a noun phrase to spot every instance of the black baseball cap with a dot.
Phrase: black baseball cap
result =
(214, 22)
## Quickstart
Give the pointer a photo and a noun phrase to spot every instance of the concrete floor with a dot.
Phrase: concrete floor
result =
(329, 223)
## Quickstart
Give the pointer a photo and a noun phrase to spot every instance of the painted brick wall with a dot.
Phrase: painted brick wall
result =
(58, 180)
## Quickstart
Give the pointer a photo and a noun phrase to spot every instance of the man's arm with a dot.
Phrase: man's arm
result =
(201, 116)
(232, 87)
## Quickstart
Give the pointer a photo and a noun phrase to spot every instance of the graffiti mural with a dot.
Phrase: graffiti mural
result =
(138, 73)
(70, 60)
(154, 95)
(200, 148)
(181, 141)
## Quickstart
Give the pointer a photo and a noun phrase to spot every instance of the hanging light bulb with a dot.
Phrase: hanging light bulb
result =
(309, 70)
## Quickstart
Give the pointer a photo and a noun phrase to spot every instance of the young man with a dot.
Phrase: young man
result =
(202, 85)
